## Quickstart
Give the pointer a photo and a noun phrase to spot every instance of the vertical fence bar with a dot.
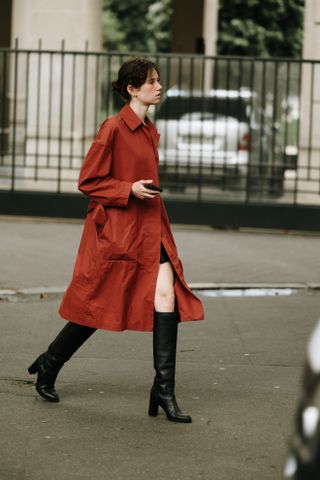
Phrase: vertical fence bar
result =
(26, 111)
(167, 112)
(274, 174)
(108, 86)
(97, 102)
(214, 108)
(97, 94)
(4, 110)
(49, 110)
(309, 167)
(240, 117)
(227, 123)
(286, 126)
(295, 189)
(188, 138)
(37, 135)
(14, 116)
(286, 130)
(190, 116)
(252, 116)
(72, 107)
(157, 62)
(261, 170)
(85, 88)
(179, 103)
(60, 134)
(200, 172)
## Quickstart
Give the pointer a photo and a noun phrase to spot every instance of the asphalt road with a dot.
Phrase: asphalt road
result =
(238, 372)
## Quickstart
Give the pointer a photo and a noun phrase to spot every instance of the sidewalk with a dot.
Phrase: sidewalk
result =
(238, 371)
(42, 254)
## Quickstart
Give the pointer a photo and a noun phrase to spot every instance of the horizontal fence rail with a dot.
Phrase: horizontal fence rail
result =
(242, 130)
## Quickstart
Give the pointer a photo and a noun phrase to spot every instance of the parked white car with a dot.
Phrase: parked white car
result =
(215, 136)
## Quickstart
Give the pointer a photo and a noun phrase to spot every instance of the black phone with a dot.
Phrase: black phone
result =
(150, 186)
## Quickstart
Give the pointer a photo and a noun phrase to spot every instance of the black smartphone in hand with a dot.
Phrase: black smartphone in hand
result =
(150, 186)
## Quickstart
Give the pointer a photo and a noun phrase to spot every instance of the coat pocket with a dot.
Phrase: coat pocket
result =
(100, 218)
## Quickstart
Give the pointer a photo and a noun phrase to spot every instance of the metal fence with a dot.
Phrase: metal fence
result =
(232, 129)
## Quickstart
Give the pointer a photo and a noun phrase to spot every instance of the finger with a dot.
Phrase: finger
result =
(154, 193)
(148, 195)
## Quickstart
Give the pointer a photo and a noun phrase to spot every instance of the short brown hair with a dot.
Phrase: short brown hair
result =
(133, 72)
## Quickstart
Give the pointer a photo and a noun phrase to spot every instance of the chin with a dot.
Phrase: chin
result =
(152, 104)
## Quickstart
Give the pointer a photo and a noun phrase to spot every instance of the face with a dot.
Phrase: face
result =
(150, 91)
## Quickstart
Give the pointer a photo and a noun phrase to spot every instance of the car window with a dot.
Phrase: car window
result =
(204, 108)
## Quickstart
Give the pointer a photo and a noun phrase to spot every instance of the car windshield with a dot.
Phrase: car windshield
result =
(203, 108)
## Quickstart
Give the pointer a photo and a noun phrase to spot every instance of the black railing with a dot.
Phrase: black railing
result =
(232, 129)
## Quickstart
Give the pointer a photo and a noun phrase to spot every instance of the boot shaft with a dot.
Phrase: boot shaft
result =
(69, 340)
(165, 347)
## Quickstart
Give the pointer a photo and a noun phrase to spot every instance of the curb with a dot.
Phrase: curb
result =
(47, 293)
(36, 293)
(244, 286)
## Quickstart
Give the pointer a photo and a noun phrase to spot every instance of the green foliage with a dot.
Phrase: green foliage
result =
(137, 25)
(261, 28)
(158, 25)
(113, 37)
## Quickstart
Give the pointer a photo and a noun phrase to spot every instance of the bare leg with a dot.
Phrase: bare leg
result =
(164, 300)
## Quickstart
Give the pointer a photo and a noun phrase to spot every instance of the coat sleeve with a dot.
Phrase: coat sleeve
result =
(95, 179)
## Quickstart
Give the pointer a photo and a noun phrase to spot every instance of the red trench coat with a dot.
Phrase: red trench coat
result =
(114, 278)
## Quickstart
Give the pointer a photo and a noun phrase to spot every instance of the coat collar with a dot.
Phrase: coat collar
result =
(131, 119)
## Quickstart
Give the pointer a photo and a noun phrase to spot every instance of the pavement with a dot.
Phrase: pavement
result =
(238, 372)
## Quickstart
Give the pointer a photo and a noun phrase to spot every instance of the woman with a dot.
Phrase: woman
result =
(118, 281)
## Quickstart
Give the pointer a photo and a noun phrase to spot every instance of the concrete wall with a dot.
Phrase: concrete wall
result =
(51, 103)
(309, 152)
(75, 21)
(311, 39)
(310, 111)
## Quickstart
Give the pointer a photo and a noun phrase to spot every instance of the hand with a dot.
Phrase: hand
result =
(139, 191)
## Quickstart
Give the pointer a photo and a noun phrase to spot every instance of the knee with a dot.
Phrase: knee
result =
(165, 300)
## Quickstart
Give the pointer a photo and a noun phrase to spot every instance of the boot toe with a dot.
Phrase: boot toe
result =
(48, 394)
(180, 418)
(186, 419)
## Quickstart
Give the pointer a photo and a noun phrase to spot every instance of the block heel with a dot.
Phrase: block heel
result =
(153, 407)
(34, 367)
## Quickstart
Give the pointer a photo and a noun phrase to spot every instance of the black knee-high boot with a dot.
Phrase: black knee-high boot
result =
(164, 359)
(49, 363)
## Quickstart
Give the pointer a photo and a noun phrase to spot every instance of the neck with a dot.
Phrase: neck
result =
(139, 109)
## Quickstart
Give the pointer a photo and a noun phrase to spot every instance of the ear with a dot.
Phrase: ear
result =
(132, 91)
